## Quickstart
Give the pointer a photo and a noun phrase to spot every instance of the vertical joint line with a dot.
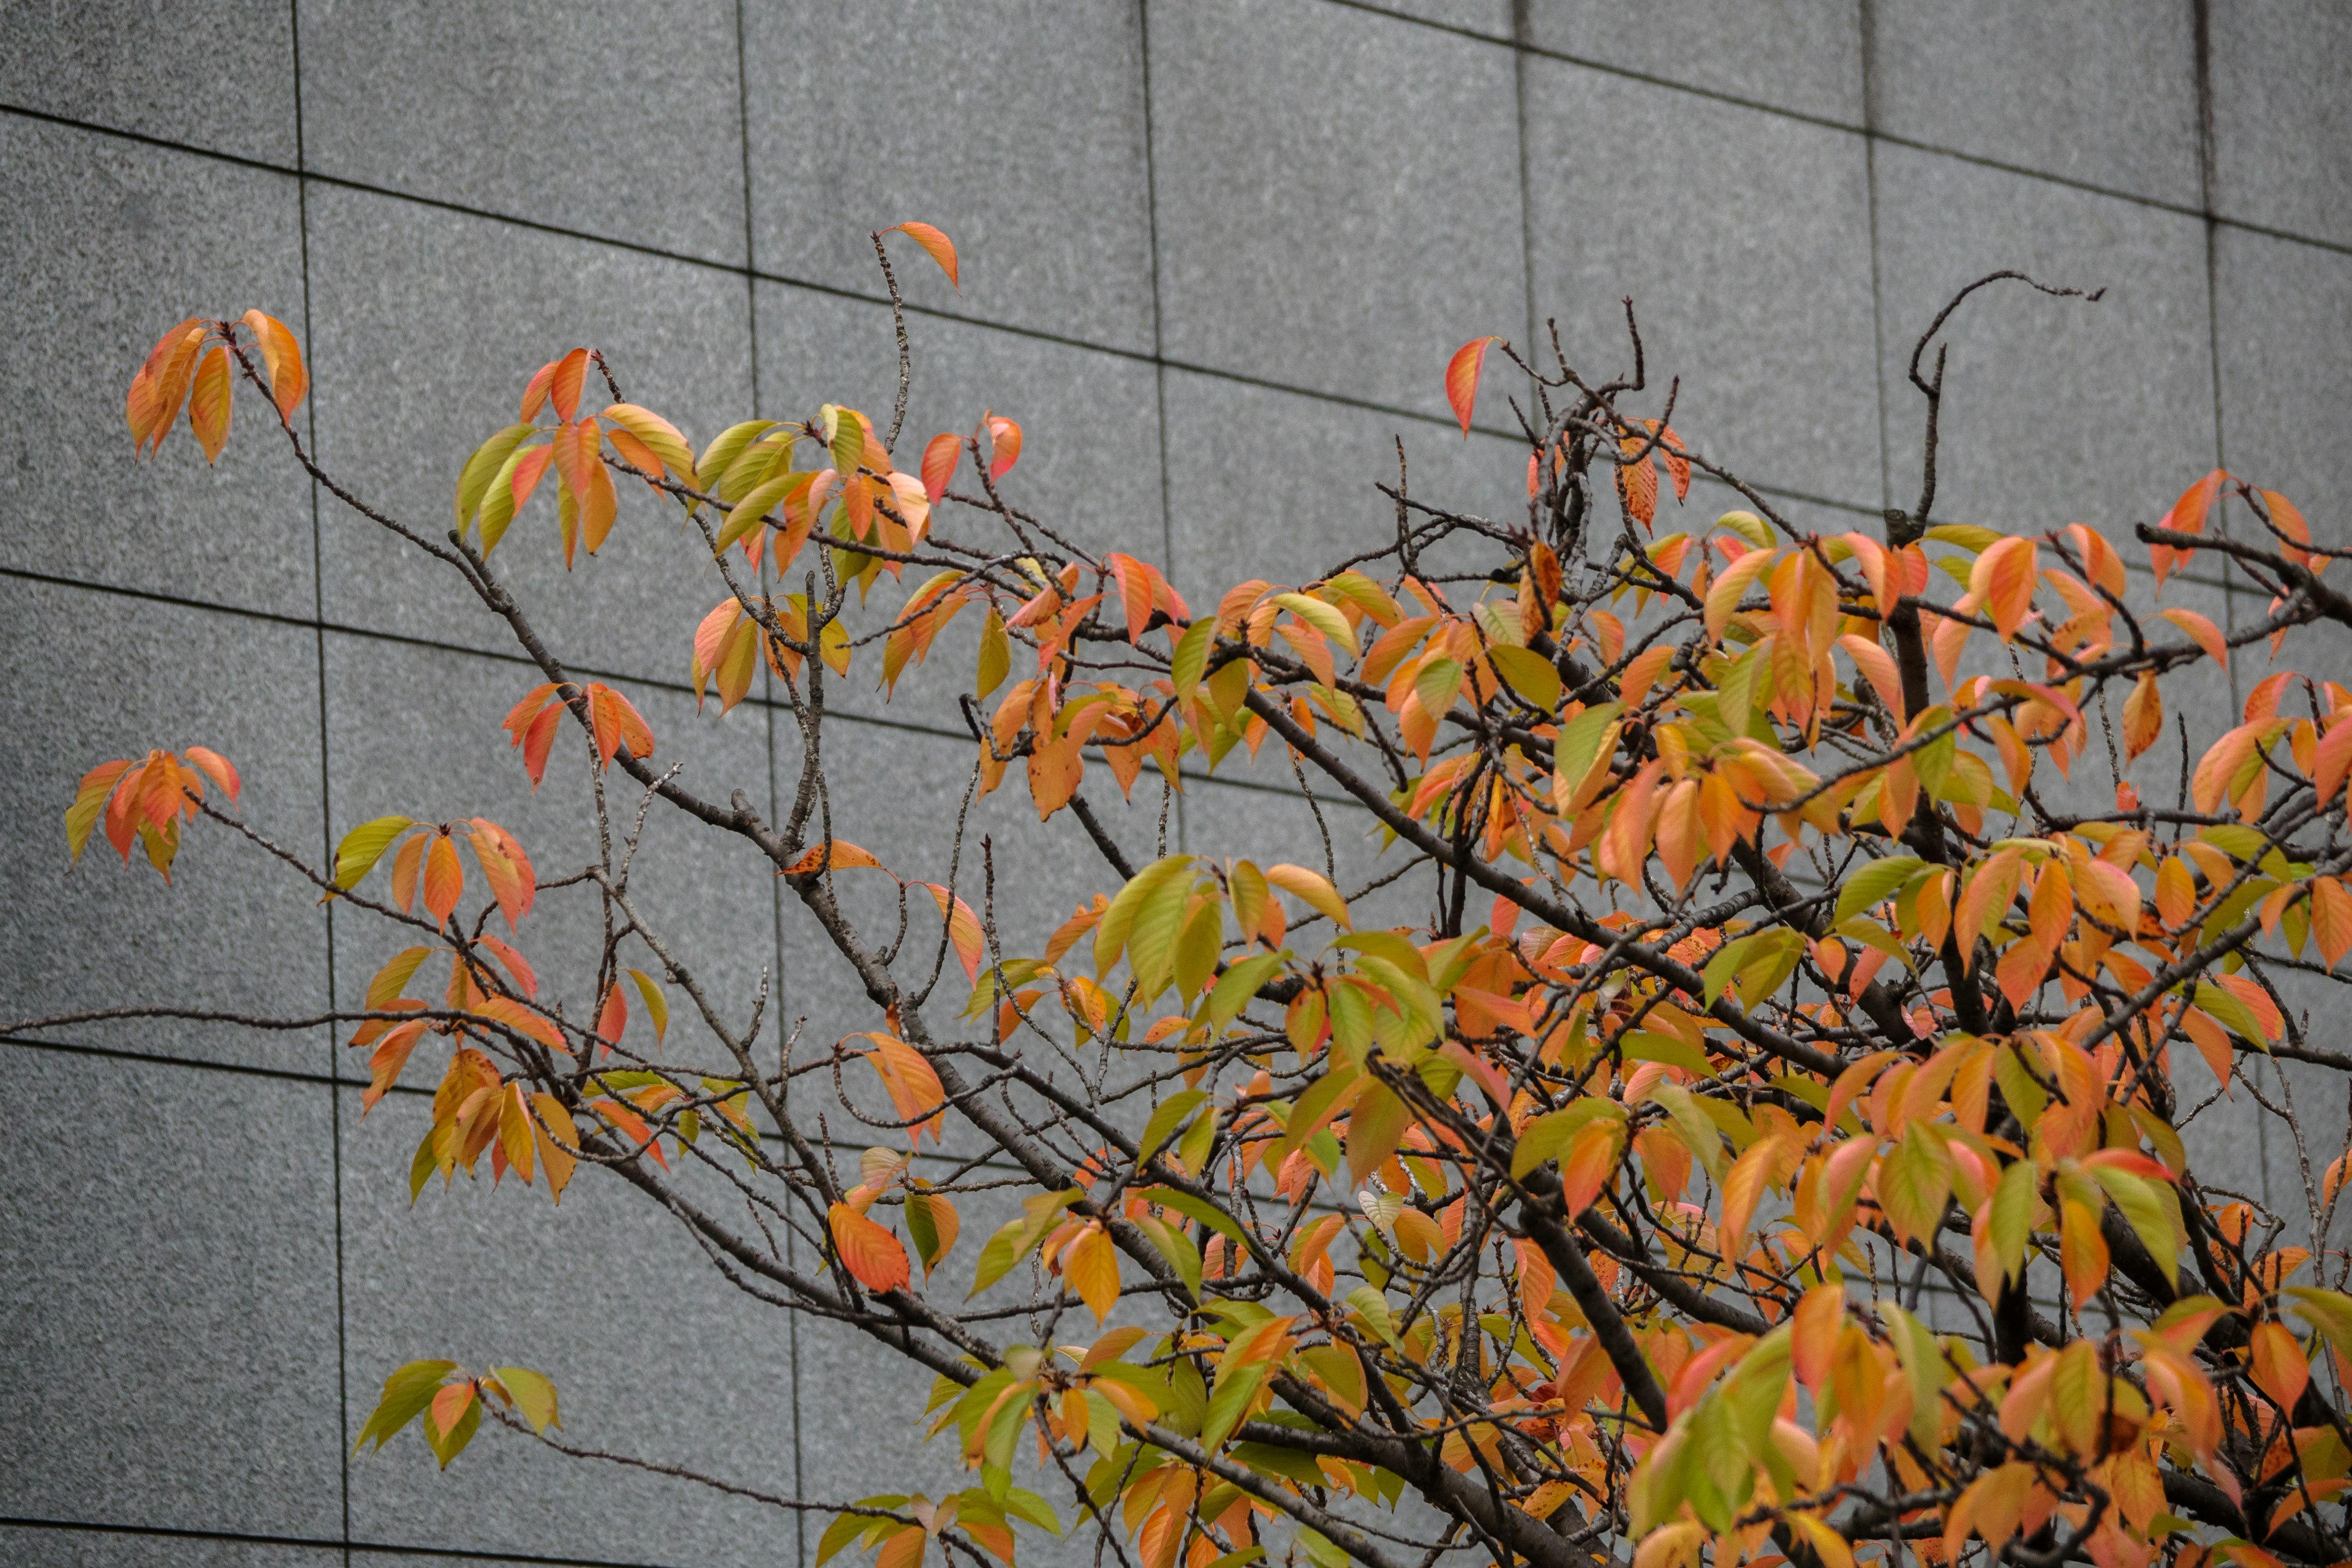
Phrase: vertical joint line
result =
(326, 789)
(1866, 19)
(1159, 346)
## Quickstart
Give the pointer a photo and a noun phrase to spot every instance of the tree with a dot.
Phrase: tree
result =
(1787, 954)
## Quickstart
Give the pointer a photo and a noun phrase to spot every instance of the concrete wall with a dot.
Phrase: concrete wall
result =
(1217, 253)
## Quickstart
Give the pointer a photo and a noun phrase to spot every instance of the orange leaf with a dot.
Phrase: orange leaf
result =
(940, 460)
(2207, 634)
(1004, 443)
(617, 723)
(2143, 716)
(209, 403)
(2187, 516)
(1091, 1266)
(613, 1017)
(870, 1253)
(444, 878)
(217, 768)
(844, 857)
(963, 929)
(940, 249)
(145, 406)
(282, 355)
(1462, 378)
(2002, 579)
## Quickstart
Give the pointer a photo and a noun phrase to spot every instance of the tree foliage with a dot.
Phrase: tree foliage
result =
(1774, 1143)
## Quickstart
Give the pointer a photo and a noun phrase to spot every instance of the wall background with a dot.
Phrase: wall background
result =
(1216, 252)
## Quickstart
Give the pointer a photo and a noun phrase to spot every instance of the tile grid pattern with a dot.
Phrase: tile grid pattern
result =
(1483, 120)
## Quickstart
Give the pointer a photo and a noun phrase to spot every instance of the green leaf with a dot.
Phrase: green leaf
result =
(1873, 885)
(845, 1529)
(1438, 680)
(1239, 984)
(1966, 535)
(726, 446)
(1119, 919)
(657, 1004)
(406, 1392)
(1232, 1395)
(2012, 1217)
(847, 440)
(1166, 1121)
(1320, 1549)
(474, 480)
(1191, 657)
(1915, 1180)
(534, 1394)
(1699, 1131)
(1548, 1134)
(2329, 1311)
(1924, 1365)
(1179, 1252)
(1198, 1209)
(1642, 1046)
(1367, 1301)
(995, 656)
(363, 846)
(2154, 1213)
(1531, 675)
(2234, 1016)
(1579, 745)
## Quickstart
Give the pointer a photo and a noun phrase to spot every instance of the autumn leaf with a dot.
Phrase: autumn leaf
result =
(870, 1253)
(936, 245)
(1462, 378)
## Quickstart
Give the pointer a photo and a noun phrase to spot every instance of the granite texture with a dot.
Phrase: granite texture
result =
(1216, 254)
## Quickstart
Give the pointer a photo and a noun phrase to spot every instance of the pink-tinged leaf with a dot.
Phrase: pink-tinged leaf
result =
(939, 460)
(1004, 443)
(940, 247)
(525, 978)
(1462, 378)
(2205, 635)
(216, 767)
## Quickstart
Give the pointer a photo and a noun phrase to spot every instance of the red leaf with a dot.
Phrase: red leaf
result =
(939, 460)
(1462, 378)
(870, 1253)
(617, 723)
(939, 246)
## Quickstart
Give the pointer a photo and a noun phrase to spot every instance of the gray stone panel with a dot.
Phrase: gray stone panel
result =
(2102, 93)
(2284, 315)
(2055, 410)
(416, 732)
(1744, 240)
(1344, 241)
(1264, 483)
(96, 677)
(1017, 127)
(897, 793)
(430, 323)
(170, 1313)
(626, 125)
(215, 76)
(52, 1547)
(104, 245)
(1799, 54)
(2282, 120)
(654, 1355)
